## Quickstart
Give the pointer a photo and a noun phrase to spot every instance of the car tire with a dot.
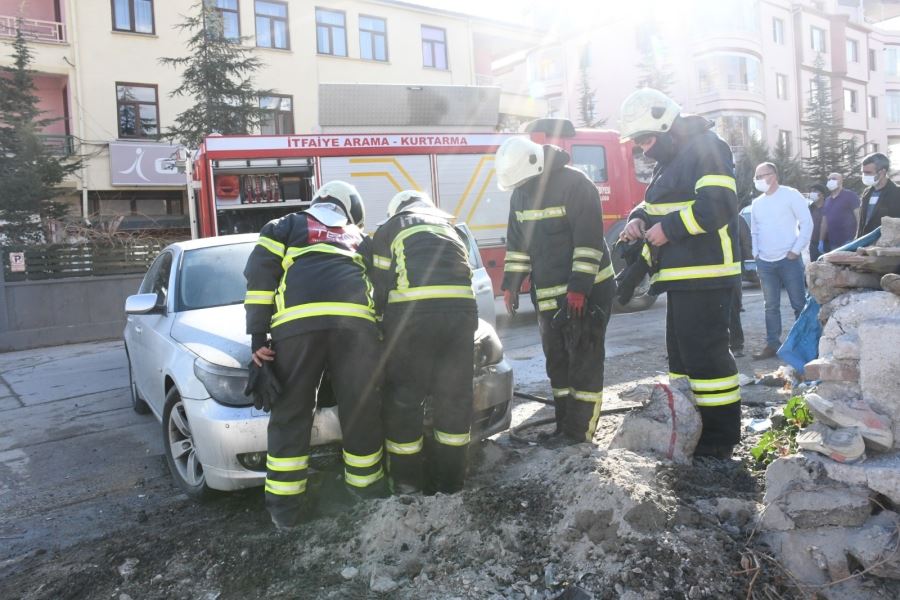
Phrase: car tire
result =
(642, 299)
(138, 404)
(178, 446)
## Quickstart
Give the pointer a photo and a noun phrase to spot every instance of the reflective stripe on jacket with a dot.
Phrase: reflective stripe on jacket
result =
(419, 263)
(555, 234)
(694, 198)
(303, 276)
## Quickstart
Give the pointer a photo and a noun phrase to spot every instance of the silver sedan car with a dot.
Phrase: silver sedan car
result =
(188, 355)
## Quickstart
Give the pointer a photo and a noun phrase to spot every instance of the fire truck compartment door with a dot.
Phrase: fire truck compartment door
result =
(378, 178)
(467, 187)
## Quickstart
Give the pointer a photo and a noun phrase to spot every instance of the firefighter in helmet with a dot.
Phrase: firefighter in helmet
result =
(307, 290)
(555, 234)
(688, 215)
(423, 288)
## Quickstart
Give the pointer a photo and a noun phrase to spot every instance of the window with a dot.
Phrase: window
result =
(272, 25)
(434, 47)
(874, 146)
(784, 138)
(892, 99)
(817, 39)
(850, 101)
(230, 15)
(331, 32)
(852, 51)
(133, 15)
(279, 115)
(738, 129)
(591, 160)
(372, 38)
(729, 71)
(554, 106)
(778, 31)
(781, 90)
(156, 281)
(138, 109)
(872, 62)
(873, 107)
(814, 87)
(893, 60)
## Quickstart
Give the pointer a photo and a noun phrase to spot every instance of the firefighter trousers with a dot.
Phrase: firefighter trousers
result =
(574, 352)
(430, 369)
(351, 357)
(697, 340)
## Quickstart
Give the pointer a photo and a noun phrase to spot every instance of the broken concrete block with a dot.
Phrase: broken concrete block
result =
(879, 357)
(811, 556)
(839, 391)
(880, 473)
(825, 369)
(773, 518)
(846, 347)
(891, 283)
(877, 546)
(890, 233)
(875, 428)
(786, 473)
(667, 424)
(818, 506)
(826, 281)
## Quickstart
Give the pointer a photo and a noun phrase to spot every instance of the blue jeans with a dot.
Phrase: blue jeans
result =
(773, 276)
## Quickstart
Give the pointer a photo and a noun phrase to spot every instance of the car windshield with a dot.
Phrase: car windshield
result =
(213, 276)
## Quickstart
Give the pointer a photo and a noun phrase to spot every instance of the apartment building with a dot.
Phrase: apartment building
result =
(746, 64)
(404, 66)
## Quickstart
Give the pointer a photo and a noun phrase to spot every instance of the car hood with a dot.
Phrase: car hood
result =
(215, 334)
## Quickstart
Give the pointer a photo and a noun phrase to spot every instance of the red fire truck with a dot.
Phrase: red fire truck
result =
(245, 181)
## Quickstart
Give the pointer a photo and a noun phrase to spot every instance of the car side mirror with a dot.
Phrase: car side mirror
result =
(142, 304)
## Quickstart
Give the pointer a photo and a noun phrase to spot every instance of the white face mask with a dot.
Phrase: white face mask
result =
(761, 185)
(832, 185)
(814, 196)
(868, 180)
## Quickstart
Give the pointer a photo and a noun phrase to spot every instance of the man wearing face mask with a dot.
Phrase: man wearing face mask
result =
(840, 215)
(881, 197)
(781, 227)
(817, 193)
(689, 214)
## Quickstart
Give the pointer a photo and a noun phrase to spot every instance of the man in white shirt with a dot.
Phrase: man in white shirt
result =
(780, 226)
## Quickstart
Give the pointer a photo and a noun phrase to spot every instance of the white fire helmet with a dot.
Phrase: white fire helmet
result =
(518, 159)
(335, 203)
(414, 200)
(646, 111)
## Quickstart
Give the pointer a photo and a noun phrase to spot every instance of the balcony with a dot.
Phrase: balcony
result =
(51, 32)
(59, 145)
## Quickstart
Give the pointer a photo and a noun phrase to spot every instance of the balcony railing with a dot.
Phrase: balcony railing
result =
(59, 145)
(34, 29)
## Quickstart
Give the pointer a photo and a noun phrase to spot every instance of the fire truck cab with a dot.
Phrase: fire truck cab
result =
(246, 181)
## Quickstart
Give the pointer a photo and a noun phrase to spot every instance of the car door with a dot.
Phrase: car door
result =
(481, 281)
(147, 338)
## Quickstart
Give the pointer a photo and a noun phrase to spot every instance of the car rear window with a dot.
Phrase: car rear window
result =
(213, 276)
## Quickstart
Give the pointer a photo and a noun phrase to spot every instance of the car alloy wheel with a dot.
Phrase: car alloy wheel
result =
(181, 455)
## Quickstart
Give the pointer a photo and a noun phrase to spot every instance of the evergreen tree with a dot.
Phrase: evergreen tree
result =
(585, 98)
(751, 155)
(823, 128)
(30, 174)
(655, 70)
(790, 169)
(218, 75)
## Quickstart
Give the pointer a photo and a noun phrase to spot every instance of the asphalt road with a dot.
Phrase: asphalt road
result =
(76, 462)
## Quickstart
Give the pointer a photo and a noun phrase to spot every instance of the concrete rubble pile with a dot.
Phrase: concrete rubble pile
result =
(834, 509)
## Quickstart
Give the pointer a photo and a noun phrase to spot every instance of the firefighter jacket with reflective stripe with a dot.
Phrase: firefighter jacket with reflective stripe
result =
(555, 233)
(419, 263)
(693, 196)
(303, 276)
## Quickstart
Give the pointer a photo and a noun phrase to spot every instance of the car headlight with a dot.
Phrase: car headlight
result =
(488, 349)
(224, 384)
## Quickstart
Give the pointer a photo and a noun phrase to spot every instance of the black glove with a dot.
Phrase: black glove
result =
(263, 386)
